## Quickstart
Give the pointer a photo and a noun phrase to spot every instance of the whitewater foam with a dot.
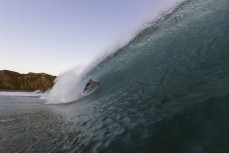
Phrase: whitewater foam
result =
(67, 87)
(21, 94)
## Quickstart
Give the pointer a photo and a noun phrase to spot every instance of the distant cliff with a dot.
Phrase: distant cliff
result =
(10, 80)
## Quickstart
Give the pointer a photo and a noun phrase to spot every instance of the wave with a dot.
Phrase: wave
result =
(68, 85)
(167, 90)
(177, 54)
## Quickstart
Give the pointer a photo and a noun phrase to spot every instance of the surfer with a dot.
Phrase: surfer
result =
(90, 85)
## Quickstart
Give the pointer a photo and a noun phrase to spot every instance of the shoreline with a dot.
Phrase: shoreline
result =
(27, 91)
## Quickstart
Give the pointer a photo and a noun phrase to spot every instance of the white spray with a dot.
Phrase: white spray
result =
(66, 88)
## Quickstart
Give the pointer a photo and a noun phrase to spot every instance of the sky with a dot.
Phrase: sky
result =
(53, 36)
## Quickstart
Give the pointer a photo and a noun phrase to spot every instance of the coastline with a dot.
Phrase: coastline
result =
(14, 90)
(31, 82)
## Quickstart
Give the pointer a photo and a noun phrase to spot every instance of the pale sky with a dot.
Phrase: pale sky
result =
(53, 36)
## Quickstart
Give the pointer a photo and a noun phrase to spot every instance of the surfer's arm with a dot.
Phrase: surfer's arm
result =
(86, 87)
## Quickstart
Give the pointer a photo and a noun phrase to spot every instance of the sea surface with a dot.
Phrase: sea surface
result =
(166, 91)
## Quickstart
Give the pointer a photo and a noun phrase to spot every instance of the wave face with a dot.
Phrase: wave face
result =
(185, 53)
(165, 91)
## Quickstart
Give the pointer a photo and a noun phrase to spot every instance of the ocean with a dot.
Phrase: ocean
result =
(166, 91)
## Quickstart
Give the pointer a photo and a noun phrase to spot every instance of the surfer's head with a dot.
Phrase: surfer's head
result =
(90, 80)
